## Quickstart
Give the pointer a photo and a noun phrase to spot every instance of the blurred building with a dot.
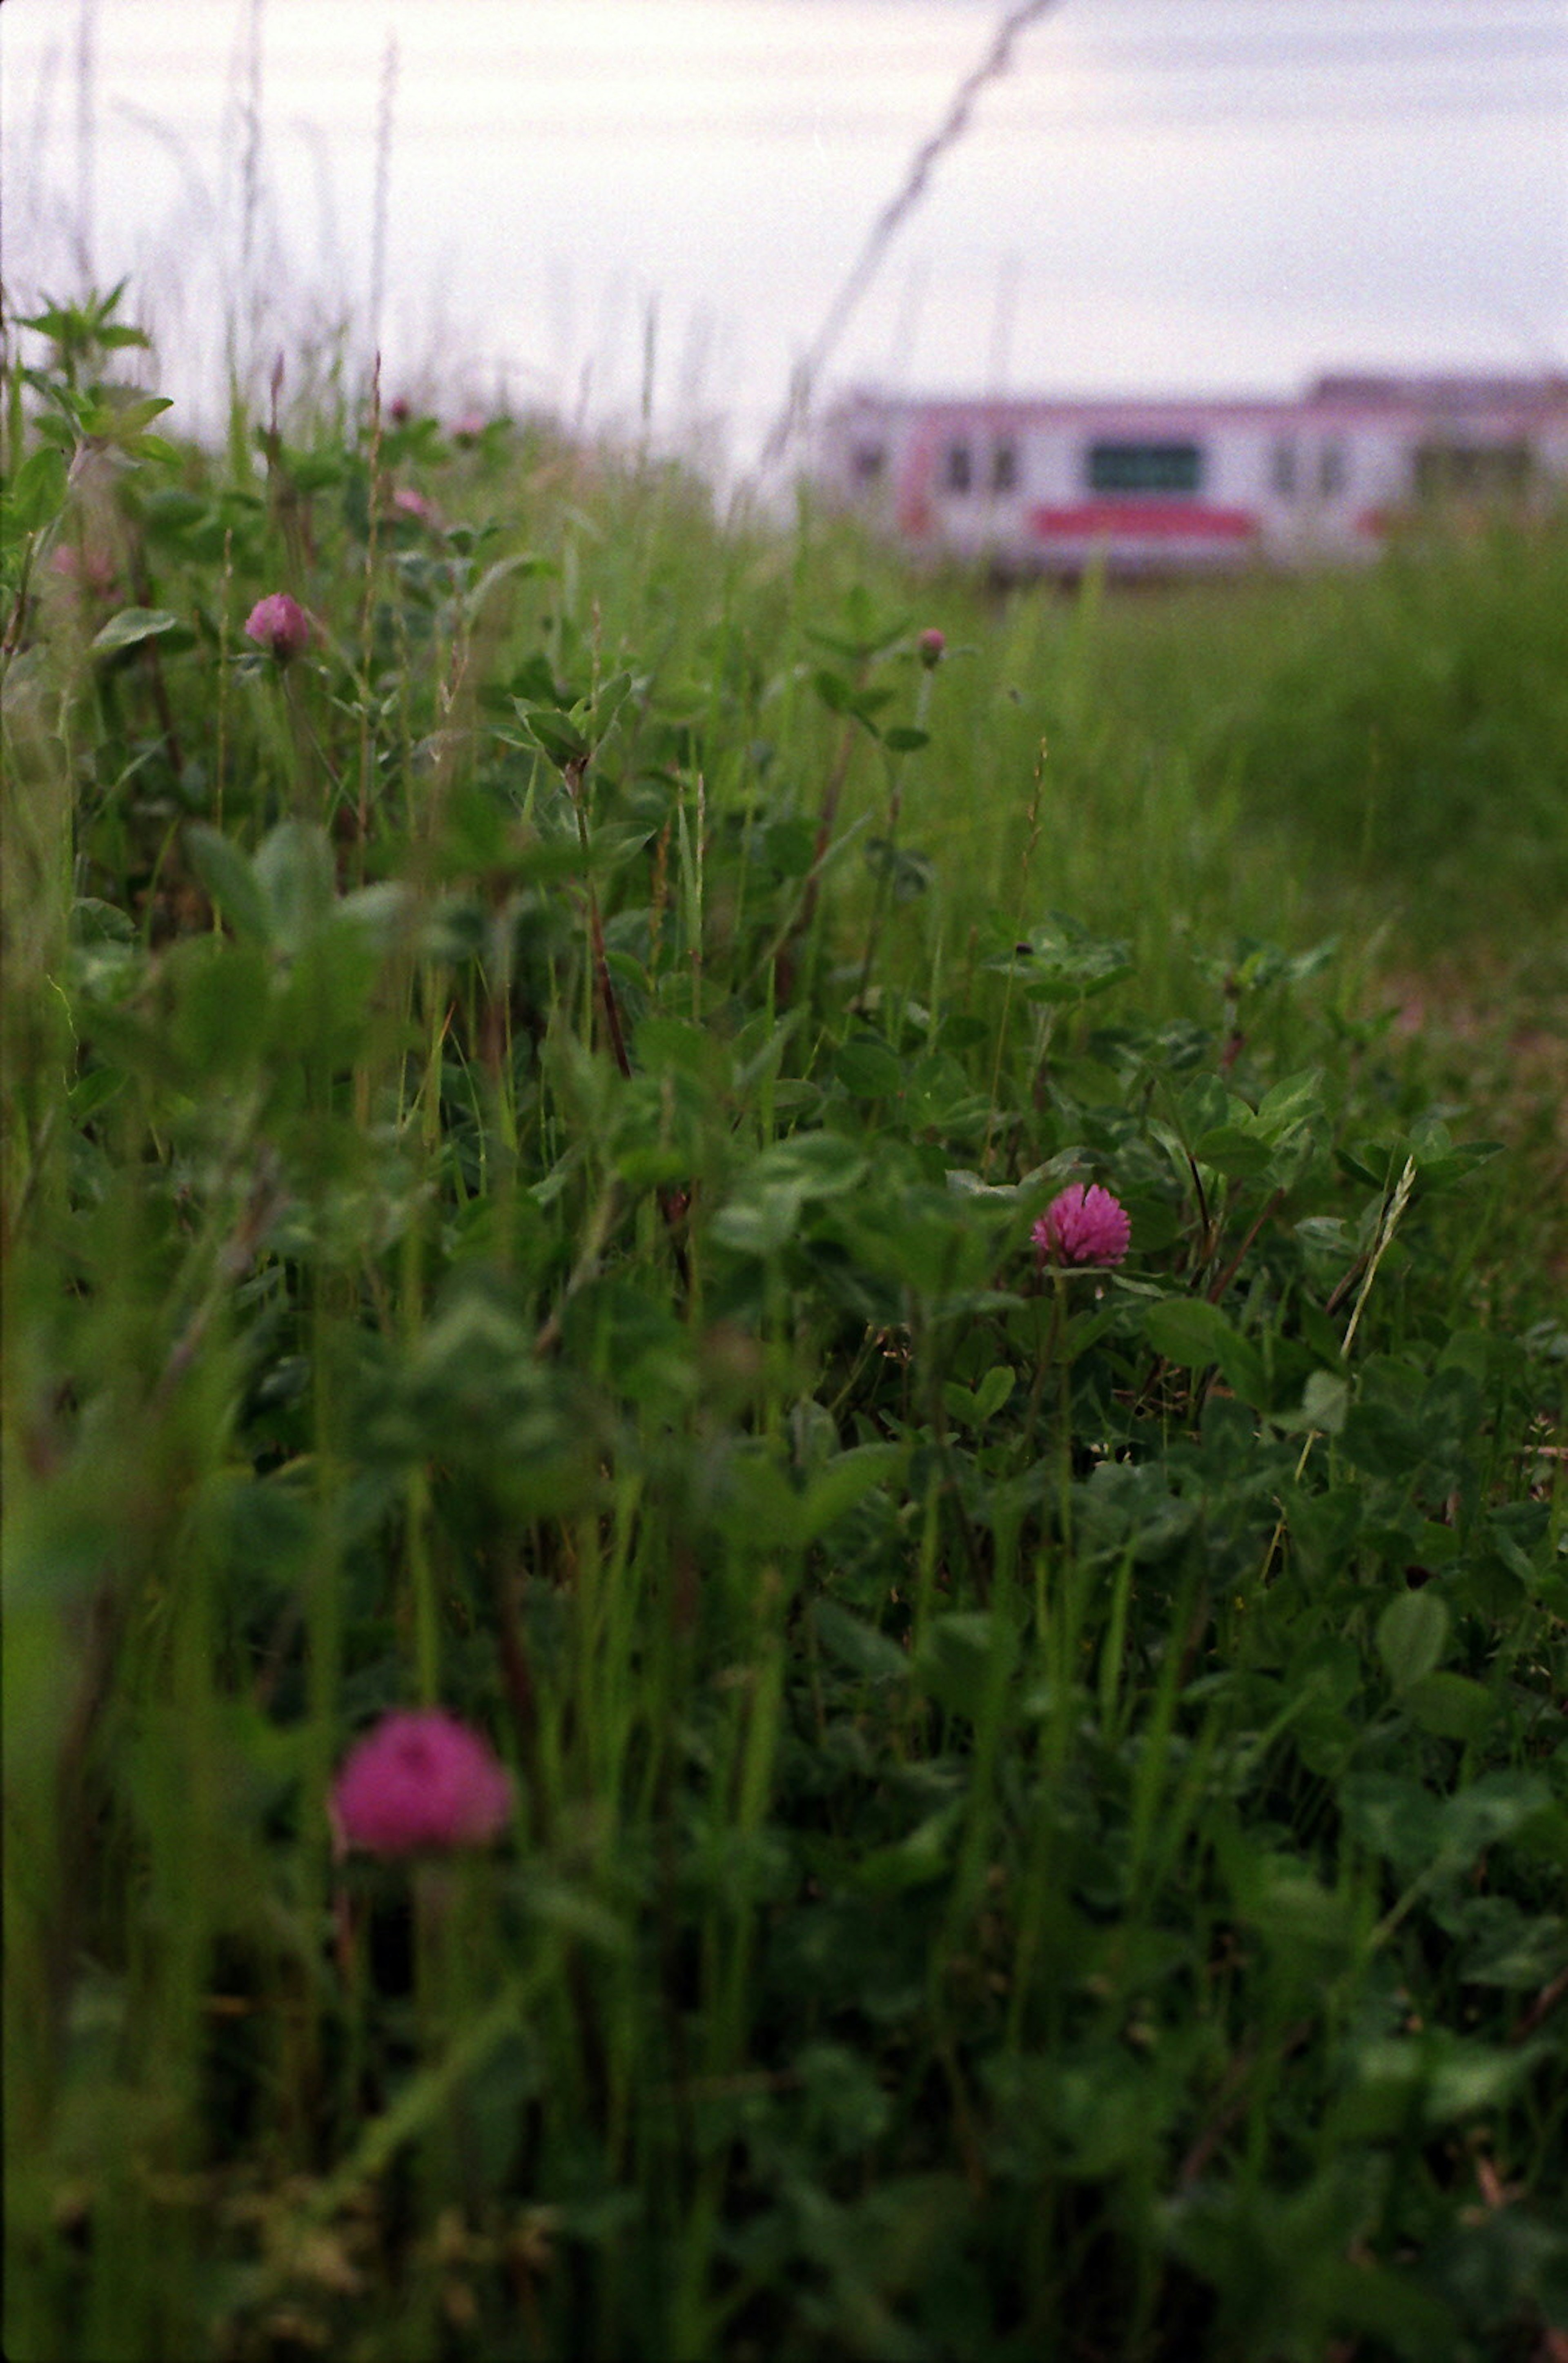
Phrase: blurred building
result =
(1188, 483)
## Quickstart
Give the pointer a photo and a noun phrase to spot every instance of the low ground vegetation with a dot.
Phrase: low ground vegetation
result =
(997, 1803)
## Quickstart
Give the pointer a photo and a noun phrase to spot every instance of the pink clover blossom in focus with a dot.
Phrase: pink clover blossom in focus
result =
(279, 624)
(1083, 1226)
(421, 1779)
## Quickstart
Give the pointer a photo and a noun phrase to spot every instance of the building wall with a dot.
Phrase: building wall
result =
(1183, 483)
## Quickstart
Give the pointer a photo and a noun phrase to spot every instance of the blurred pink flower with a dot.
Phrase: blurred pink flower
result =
(421, 1779)
(1083, 1226)
(931, 644)
(469, 426)
(279, 624)
(92, 569)
(409, 503)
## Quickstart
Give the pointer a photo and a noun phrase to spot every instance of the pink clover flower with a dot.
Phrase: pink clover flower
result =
(421, 1779)
(279, 624)
(1083, 1226)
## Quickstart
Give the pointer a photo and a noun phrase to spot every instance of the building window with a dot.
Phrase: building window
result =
(1333, 471)
(959, 474)
(866, 463)
(1471, 471)
(1005, 467)
(1145, 467)
(1282, 472)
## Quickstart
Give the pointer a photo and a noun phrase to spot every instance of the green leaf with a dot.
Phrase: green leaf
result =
(1289, 1903)
(37, 490)
(122, 420)
(765, 1509)
(534, 684)
(960, 1660)
(867, 1068)
(912, 1861)
(557, 735)
(764, 1209)
(1325, 1400)
(1445, 2076)
(172, 514)
(759, 1220)
(1514, 1950)
(1442, 1171)
(1194, 1333)
(93, 921)
(857, 1644)
(819, 1164)
(219, 1020)
(907, 873)
(845, 1480)
(1382, 1439)
(152, 446)
(1411, 1632)
(790, 844)
(992, 1390)
(1240, 1156)
(1469, 2078)
(298, 876)
(1450, 1706)
(760, 1508)
(1495, 1806)
(674, 1046)
(134, 625)
(1394, 1816)
(575, 1913)
(230, 878)
(1064, 961)
(386, 911)
(521, 563)
(1291, 1102)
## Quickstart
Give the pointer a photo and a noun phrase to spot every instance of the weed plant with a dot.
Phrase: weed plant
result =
(1040, 1803)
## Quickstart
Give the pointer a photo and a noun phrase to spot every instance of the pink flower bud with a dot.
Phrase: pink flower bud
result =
(421, 1779)
(1083, 1226)
(279, 624)
(409, 503)
(932, 644)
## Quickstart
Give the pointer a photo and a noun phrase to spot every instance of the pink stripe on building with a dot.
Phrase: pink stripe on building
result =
(1143, 520)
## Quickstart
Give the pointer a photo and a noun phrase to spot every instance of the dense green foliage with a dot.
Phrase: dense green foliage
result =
(1042, 1808)
(1404, 732)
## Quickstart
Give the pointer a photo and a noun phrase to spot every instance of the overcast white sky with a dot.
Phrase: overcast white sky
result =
(1161, 193)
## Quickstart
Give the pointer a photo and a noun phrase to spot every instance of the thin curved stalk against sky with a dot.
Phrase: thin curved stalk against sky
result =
(998, 57)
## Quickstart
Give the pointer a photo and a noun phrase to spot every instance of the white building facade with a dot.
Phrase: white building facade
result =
(1191, 485)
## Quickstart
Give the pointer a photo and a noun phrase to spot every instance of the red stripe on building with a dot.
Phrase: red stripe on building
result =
(1156, 520)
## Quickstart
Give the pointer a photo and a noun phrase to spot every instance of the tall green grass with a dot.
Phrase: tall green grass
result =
(1041, 1804)
(1395, 739)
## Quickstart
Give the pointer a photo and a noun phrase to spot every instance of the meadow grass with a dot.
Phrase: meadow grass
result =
(1040, 1807)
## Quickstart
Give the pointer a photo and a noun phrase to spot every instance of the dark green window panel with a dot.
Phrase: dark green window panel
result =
(1145, 467)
